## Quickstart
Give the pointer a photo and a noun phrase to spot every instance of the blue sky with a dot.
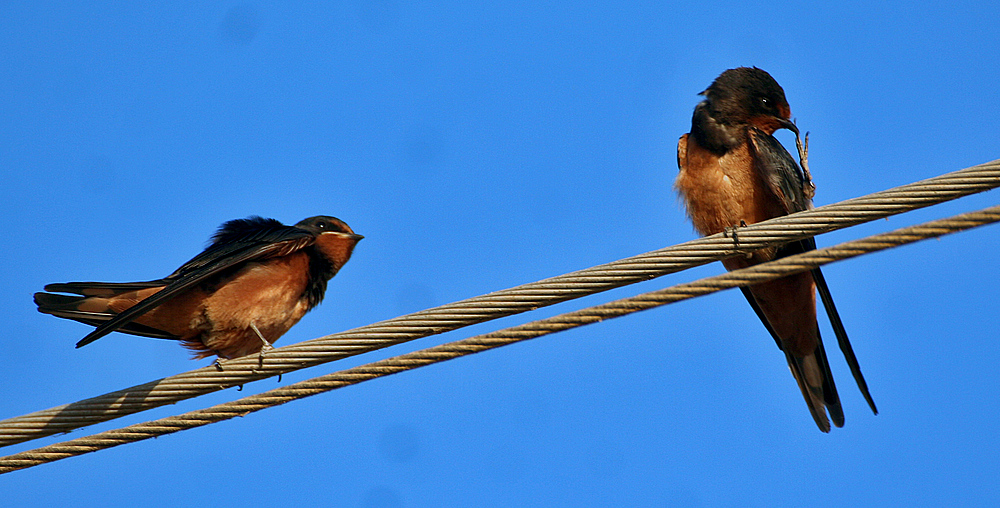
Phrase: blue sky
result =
(478, 147)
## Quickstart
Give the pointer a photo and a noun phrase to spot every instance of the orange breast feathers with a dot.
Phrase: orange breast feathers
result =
(721, 191)
(268, 294)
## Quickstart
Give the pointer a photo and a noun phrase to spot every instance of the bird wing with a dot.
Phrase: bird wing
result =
(781, 173)
(785, 179)
(234, 250)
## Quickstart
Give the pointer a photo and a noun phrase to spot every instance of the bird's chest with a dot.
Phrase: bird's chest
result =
(721, 191)
(268, 294)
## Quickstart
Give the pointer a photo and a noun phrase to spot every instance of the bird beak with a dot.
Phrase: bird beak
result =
(788, 125)
(347, 236)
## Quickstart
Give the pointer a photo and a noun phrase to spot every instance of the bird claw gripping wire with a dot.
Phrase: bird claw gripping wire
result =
(265, 348)
(733, 231)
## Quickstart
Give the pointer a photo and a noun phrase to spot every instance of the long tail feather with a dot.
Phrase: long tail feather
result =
(823, 396)
(813, 395)
(841, 333)
(102, 288)
(68, 306)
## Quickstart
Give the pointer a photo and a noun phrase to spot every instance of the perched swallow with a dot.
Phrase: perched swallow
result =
(255, 280)
(733, 171)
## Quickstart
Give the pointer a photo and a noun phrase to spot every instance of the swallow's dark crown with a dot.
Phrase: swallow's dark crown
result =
(743, 93)
(733, 101)
(324, 224)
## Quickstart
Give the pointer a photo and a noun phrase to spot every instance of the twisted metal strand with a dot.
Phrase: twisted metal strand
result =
(499, 304)
(759, 273)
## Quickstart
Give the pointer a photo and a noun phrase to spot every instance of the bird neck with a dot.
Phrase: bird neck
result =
(713, 134)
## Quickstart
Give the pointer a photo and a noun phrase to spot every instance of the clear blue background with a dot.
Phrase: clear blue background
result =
(477, 148)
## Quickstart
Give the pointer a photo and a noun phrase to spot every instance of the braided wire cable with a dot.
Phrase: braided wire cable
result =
(499, 304)
(759, 273)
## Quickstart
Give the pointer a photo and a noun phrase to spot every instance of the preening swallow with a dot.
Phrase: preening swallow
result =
(733, 171)
(257, 275)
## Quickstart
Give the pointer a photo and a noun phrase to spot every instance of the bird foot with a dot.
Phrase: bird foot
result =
(265, 348)
(733, 231)
(808, 187)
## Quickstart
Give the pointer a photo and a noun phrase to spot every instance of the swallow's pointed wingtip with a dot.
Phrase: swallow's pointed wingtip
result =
(862, 385)
(91, 337)
(871, 404)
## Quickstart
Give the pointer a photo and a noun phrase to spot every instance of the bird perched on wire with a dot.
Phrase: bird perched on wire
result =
(255, 280)
(733, 172)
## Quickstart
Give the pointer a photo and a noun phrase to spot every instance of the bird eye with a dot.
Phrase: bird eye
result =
(321, 225)
(765, 102)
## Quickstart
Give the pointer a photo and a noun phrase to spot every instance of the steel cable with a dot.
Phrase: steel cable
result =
(759, 273)
(499, 304)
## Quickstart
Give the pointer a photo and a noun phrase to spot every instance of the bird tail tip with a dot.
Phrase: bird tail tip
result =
(812, 373)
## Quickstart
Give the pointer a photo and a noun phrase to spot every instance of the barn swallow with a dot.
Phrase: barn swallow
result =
(732, 172)
(253, 282)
